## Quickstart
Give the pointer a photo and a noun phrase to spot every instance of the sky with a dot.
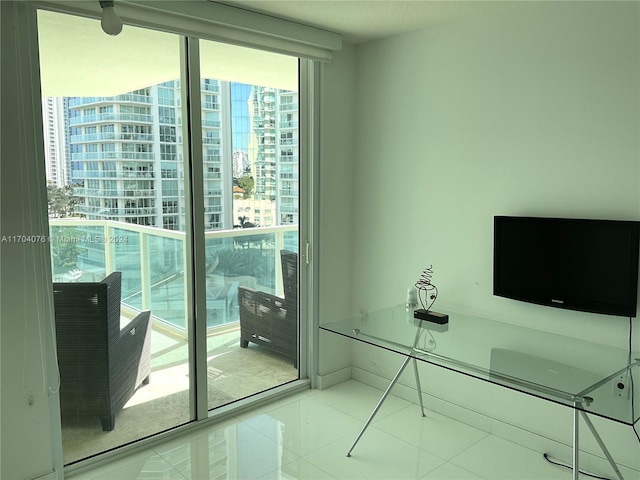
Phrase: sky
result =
(240, 124)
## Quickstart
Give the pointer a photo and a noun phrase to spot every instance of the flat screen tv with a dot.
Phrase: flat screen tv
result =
(577, 264)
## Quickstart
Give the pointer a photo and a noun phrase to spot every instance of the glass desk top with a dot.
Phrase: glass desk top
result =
(557, 368)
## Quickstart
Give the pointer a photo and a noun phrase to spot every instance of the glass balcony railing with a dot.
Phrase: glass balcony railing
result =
(113, 212)
(88, 174)
(211, 123)
(289, 193)
(125, 98)
(110, 117)
(94, 156)
(152, 262)
(208, 87)
(107, 136)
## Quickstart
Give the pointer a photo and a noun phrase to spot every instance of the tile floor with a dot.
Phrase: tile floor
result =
(306, 436)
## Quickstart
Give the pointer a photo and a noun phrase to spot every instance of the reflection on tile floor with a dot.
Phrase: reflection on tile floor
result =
(306, 436)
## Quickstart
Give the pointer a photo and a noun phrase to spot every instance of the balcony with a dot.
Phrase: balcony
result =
(138, 137)
(292, 209)
(209, 87)
(112, 193)
(89, 174)
(111, 117)
(126, 98)
(94, 156)
(95, 192)
(154, 277)
(116, 212)
(137, 155)
(112, 174)
(112, 156)
(93, 137)
(211, 123)
(152, 260)
(213, 209)
(111, 136)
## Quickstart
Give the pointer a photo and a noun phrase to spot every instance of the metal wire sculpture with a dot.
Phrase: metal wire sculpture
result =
(427, 291)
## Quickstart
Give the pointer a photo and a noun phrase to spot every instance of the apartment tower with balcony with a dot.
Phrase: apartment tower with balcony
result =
(274, 165)
(127, 153)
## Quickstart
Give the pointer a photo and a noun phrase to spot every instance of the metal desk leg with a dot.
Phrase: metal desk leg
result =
(576, 438)
(415, 369)
(382, 399)
(601, 444)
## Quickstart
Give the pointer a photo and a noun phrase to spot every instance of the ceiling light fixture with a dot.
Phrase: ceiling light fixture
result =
(110, 22)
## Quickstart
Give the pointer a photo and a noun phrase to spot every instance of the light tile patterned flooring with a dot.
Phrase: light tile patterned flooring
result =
(306, 436)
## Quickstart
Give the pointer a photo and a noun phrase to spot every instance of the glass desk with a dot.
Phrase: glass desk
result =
(579, 374)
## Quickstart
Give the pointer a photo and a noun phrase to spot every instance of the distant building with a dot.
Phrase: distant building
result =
(55, 128)
(127, 153)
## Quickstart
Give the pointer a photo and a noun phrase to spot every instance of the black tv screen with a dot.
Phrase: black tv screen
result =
(577, 264)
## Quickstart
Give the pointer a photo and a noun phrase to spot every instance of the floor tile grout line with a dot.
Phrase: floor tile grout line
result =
(457, 467)
(518, 445)
(446, 419)
(307, 458)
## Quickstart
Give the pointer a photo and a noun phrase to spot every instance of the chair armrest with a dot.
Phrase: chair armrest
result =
(253, 298)
(261, 304)
(112, 277)
(130, 356)
(133, 341)
(139, 325)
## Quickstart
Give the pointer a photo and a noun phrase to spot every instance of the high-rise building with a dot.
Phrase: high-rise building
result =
(274, 165)
(116, 151)
(288, 151)
(55, 128)
(126, 151)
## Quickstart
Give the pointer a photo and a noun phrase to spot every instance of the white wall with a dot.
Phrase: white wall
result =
(31, 437)
(532, 110)
(337, 153)
(528, 110)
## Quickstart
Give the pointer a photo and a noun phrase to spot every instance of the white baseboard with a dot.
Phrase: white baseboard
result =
(330, 379)
(47, 476)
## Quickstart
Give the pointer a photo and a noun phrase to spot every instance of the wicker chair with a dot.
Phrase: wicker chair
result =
(269, 320)
(101, 365)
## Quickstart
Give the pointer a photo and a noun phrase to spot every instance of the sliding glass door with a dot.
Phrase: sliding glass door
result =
(249, 109)
(122, 154)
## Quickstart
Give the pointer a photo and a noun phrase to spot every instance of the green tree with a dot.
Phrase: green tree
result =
(245, 223)
(65, 248)
(61, 201)
(247, 184)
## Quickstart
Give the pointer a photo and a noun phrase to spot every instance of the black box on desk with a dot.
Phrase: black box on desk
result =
(433, 317)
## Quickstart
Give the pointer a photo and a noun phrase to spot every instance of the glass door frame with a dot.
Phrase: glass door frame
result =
(308, 71)
(195, 231)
